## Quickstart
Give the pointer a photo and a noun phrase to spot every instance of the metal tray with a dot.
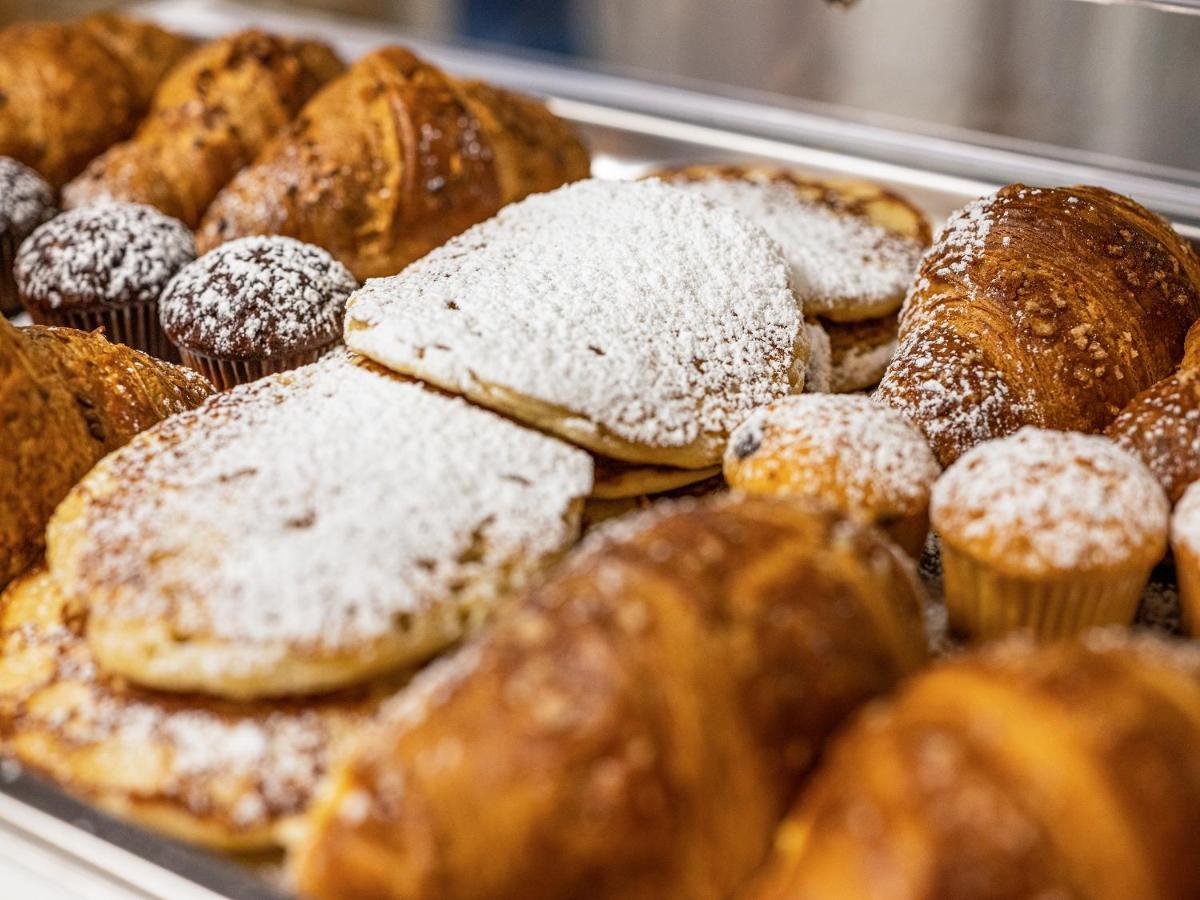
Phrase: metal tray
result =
(74, 851)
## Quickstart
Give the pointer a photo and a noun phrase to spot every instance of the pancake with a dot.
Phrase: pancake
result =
(860, 352)
(852, 246)
(223, 775)
(616, 480)
(309, 531)
(632, 318)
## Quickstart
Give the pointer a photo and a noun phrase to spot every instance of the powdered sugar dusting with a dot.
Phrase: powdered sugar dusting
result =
(1162, 426)
(1052, 499)
(827, 444)
(655, 313)
(244, 766)
(317, 506)
(107, 253)
(838, 260)
(26, 200)
(860, 367)
(257, 297)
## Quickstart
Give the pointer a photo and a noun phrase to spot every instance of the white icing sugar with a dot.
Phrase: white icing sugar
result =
(318, 506)
(1051, 499)
(655, 313)
(257, 297)
(838, 259)
(26, 200)
(860, 367)
(874, 459)
(818, 376)
(107, 253)
(963, 239)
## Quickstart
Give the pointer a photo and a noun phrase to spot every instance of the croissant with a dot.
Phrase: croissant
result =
(209, 118)
(1072, 770)
(634, 728)
(391, 160)
(1046, 307)
(66, 399)
(69, 91)
(1162, 424)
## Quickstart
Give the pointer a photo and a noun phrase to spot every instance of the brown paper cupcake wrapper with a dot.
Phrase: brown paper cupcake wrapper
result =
(984, 604)
(1187, 570)
(227, 373)
(133, 324)
(10, 300)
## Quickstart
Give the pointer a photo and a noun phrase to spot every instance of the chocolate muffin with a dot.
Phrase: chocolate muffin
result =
(255, 306)
(104, 266)
(26, 201)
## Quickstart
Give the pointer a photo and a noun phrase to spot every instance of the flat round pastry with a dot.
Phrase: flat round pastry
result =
(228, 776)
(860, 352)
(852, 246)
(308, 531)
(635, 319)
(818, 376)
(615, 479)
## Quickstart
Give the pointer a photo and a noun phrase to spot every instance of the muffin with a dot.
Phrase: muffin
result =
(842, 450)
(104, 266)
(1185, 545)
(1047, 531)
(26, 201)
(255, 306)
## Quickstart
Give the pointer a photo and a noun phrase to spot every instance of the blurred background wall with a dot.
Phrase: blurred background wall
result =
(1122, 81)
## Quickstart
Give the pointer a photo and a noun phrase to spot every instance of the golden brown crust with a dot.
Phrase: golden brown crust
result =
(393, 159)
(1048, 307)
(210, 117)
(69, 91)
(66, 399)
(1161, 425)
(640, 720)
(1069, 771)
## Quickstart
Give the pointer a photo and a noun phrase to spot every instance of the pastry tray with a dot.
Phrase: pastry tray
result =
(71, 850)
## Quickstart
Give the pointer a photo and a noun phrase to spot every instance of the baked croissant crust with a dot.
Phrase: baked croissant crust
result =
(1070, 770)
(633, 728)
(68, 91)
(1046, 307)
(66, 399)
(210, 117)
(393, 159)
(1162, 424)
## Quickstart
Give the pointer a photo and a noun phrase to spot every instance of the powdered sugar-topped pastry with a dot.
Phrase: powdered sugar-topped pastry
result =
(843, 450)
(308, 531)
(635, 319)
(818, 376)
(225, 775)
(255, 306)
(1054, 531)
(852, 246)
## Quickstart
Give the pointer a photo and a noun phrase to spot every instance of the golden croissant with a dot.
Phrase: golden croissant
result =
(1040, 306)
(391, 160)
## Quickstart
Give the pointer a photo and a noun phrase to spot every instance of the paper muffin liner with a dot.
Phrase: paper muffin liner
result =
(1187, 571)
(227, 373)
(983, 604)
(133, 324)
(10, 299)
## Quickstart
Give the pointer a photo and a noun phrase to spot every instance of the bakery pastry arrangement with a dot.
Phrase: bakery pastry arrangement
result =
(378, 488)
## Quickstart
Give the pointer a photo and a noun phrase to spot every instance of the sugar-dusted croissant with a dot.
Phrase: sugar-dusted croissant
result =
(1072, 770)
(1047, 307)
(66, 399)
(393, 159)
(69, 91)
(210, 117)
(634, 728)
(1162, 424)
